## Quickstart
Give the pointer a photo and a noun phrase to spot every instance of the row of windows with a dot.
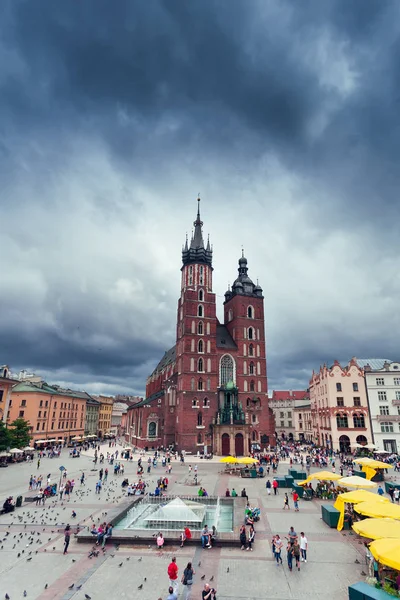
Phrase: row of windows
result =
(358, 420)
(383, 395)
(384, 409)
(339, 387)
(68, 425)
(387, 427)
(356, 401)
(250, 312)
(381, 381)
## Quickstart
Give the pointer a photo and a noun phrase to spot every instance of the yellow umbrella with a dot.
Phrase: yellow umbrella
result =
(321, 476)
(376, 529)
(356, 482)
(355, 497)
(246, 460)
(387, 552)
(378, 509)
(228, 459)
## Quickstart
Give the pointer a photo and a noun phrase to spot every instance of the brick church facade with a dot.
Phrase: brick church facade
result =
(209, 392)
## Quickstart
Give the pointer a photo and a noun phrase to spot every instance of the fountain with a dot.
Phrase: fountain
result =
(142, 517)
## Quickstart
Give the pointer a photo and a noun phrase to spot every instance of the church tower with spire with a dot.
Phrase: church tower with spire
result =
(209, 392)
(196, 341)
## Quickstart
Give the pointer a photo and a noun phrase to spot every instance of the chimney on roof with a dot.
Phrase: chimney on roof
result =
(367, 367)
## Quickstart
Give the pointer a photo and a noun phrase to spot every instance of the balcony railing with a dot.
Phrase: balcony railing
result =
(388, 418)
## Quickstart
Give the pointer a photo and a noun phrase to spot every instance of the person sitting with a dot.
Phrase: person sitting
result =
(160, 541)
(234, 493)
(227, 493)
(8, 505)
(107, 534)
(157, 491)
(125, 483)
(129, 490)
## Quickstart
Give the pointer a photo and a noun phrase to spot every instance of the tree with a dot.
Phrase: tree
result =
(20, 433)
(5, 438)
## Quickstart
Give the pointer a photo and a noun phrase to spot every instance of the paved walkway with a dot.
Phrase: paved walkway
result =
(31, 555)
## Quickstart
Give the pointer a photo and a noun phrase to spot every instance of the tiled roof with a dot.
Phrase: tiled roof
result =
(224, 338)
(290, 394)
(375, 363)
(148, 400)
(44, 388)
(168, 358)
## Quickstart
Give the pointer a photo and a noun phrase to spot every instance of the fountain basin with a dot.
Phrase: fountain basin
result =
(138, 519)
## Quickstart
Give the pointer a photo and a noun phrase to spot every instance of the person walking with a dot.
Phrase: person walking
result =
(296, 553)
(289, 555)
(275, 486)
(303, 546)
(187, 580)
(252, 535)
(243, 537)
(278, 550)
(286, 502)
(396, 495)
(67, 537)
(173, 574)
(296, 501)
(171, 594)
(268, 487)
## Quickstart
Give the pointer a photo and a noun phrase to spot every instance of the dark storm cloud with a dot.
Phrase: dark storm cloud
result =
(111, 112)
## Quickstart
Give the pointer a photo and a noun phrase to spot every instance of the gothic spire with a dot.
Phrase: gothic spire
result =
(196, 252)
(197, 239)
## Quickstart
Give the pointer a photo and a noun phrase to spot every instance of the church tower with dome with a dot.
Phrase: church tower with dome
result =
(209, 392)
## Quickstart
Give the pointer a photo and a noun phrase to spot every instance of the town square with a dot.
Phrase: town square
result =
(32, 545)
(199, 290)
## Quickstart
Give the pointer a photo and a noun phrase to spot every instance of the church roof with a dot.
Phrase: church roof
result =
(243, 285)
(196, 252)
(224, 338)
(168, 358)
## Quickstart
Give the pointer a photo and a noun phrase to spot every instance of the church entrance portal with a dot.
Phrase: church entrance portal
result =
(239, 444)
(226, 444)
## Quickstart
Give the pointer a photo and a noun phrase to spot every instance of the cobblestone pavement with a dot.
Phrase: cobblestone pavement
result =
(31, 546)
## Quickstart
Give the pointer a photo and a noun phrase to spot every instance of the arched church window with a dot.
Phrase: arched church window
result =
(194, 403)
(200, 311)
(201, 346)
(199, 419)
(252, 385)
(200, 366)
(201, 295)
(200, 384)
(205, 402)
(251, 350)
(250, 312)
(254, 418)
(152, 429)
(200, 328)
(251, 333)
(227, 369)
(248, 402)
(199, 438)
(251, 368)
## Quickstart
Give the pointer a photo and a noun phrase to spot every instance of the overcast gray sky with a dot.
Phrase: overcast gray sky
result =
(285, 116)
